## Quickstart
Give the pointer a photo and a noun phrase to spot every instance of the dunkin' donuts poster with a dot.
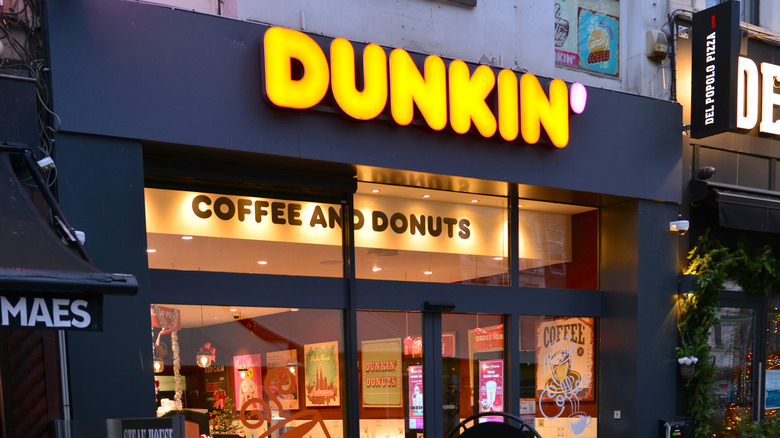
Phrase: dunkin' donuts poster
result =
(587, 35)
(564, 357)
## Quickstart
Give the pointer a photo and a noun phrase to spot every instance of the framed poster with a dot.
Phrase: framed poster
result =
(381, 380)
(287, 359)
(564, 357)
(587, 34)
(248, 378)
(484, 340)
(322, 374)
(772, 386)
(415, 397)
(491, 385)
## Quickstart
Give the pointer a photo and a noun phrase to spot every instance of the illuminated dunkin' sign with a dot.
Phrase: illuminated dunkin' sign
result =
(509, 104)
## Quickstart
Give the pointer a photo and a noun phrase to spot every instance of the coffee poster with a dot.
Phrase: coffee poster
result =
(322, 374)
(564, 357)
(587, 35)
(282, 369)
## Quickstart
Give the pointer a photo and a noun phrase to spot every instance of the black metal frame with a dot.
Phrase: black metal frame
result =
(522, 430)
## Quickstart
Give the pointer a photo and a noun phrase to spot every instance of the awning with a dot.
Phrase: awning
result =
(741, 207)
(46, 277)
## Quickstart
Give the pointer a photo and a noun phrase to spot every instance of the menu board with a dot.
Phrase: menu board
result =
(248, 378)
(491, 385)
(415, 397)
(284, 359)
(381, 373)
(322, 374)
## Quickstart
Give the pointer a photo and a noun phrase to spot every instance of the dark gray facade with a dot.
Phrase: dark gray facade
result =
(131, 80)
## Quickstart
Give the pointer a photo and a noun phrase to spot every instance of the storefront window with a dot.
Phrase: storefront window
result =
(255, 371)
(413, 234)
(196, 231)
(558, 245)
(474, 367)
(772, 383)
(558, 372)
(391, 374)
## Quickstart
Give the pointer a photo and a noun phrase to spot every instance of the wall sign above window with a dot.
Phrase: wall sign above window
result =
(298, 74)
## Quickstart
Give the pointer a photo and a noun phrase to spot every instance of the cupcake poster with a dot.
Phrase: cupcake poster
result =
(598, 42)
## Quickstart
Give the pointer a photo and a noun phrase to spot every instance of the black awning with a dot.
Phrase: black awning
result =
(39, 251)
(740, 207)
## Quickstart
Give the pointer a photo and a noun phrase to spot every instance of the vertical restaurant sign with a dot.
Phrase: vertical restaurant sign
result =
(456, 95)
(248, 377)
(416, 397)
(381, 380)
(277, 359)
(564, 357)
(715, 49)
(322, 374)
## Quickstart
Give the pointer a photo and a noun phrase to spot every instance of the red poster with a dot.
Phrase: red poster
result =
(415, 397)
(491, 386)
(491, 339)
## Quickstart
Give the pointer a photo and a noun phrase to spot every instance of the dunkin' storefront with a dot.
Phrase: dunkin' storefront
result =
(341, 239)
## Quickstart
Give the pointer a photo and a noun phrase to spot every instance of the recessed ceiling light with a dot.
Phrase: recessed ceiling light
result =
(262, 262)
(233, 309)
(475, 200)
(186, 237)
(427, 272)
(498, 258)
(151, 251)
(294, 309)
(376, 269)
(426, 196)
(375, 191)
(519, 205)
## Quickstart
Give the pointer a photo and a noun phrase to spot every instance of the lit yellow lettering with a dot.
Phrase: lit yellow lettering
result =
(282, 89)
(467, 98)
(508, 113)
(408, 87)
(366, 104)
(536, 110)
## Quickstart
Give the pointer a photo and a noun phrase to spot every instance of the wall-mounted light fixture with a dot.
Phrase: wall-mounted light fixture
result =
(158, 364)
(705, 172)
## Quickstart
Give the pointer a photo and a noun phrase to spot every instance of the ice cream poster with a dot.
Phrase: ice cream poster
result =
(491, 385)
(598, 42)
(415, 397)
(322, 374)
(564, 357)
(286, 359)
(248, 378)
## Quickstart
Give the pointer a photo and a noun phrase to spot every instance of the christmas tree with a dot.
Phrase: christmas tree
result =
(222, 418)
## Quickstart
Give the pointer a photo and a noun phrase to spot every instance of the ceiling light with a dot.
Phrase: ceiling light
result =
(294, 309)
(233, 309)
(519, 205)
(426, 196)
(375, 191)
(376, 269)
(475, 200)
(427, 272)
(186, 237)
(498, 258)
(151, 251)
(262, 262)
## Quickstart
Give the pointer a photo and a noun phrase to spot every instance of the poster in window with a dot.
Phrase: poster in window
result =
(491, 386)
(322, 374)
(484, 340)
(381, 380)
(564, 357)
(248, 378)
(772, 389)
(415, 397)
(587, 35)
(285, 391)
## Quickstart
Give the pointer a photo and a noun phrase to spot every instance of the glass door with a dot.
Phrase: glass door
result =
(739, 364)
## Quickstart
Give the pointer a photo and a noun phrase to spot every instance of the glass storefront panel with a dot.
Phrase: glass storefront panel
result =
(391, 374)
(557, 371)
(196, 231)
(413, 234)
(473, 363)
(250, 368)
(558, 245)
(772, 380)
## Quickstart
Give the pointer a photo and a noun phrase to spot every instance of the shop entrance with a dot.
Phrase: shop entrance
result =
(737, 343)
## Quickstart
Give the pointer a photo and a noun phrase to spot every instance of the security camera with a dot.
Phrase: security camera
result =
(236, 316)
(680, 227)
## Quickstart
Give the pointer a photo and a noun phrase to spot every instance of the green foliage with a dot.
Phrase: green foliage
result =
(770, 426)
(713, 264)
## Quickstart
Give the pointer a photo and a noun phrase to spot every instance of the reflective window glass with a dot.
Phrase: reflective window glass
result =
(196, 231)
(250, 370)
(413, 234)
